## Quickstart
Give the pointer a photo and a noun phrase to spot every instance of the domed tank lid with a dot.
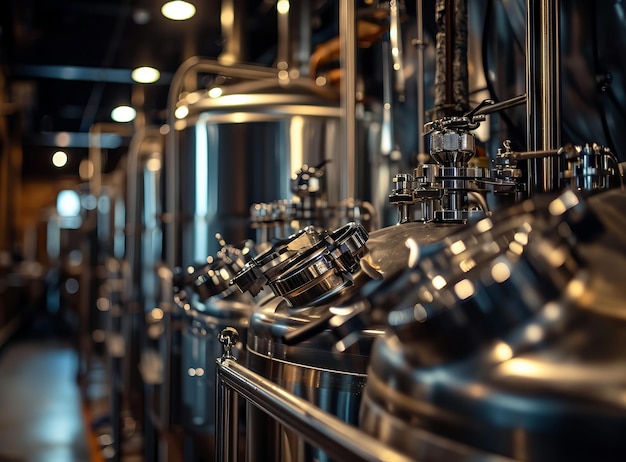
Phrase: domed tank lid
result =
(213, 277)
(490, 277)
(308, 267)
(270, 96)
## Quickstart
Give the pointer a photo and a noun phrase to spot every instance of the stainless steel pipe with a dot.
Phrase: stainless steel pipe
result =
(543, 92)
(319, 428)
(348, 39)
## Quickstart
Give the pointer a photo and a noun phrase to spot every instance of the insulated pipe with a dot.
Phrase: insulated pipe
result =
(542, 92)
(451, 72)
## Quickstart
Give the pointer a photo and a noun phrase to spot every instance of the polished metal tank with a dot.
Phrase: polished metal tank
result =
(224, 150)
(309, 336)
(230, 145)
(509, 340)
(290, 340)
(142, 323)
(209, 304)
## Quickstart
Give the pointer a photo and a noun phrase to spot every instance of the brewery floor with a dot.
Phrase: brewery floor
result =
(43, 417)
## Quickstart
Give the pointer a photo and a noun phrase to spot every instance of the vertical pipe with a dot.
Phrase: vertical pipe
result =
(282, 47)
(542, 91)
(387, 138)
(232, 18)
(300, 36)
(449, 33)
(460, 71)
(347, 36)
(294, 37)
(419, 42)
(451, 68)
(226, 419)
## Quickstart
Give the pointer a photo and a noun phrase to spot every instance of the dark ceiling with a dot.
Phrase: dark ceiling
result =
(67, 63)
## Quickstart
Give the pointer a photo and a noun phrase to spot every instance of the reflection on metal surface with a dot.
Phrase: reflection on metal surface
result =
(524, 366)
(466, 331)
(321, 429)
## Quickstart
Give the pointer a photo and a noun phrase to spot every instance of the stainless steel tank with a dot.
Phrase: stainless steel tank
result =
(209, 305)
(226, 148)
(309, 336)
(232, 144)
(142, 324)
(510, 339)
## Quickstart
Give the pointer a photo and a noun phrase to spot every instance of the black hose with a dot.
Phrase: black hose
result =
(600, 106)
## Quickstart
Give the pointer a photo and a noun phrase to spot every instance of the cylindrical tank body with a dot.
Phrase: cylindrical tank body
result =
(510, 340)
(242, 147)
(314, 343)
(331, 380)
(209, 304)
(143, 252)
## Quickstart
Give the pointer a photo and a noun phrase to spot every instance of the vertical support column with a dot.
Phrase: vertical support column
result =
(543, 92)
(348, 42)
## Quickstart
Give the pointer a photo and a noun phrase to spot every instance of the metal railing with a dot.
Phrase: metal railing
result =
(317, 427)
(314, 425)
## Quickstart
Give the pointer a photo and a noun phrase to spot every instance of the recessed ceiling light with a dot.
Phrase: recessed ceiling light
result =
(145, 74)
(59, 159)
(282, 6)
(178, 10)
(123, 114)
(141, 16)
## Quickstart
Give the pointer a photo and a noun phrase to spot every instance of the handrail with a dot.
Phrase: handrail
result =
(316, 426)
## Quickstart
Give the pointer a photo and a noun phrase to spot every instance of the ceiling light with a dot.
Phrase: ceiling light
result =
(282, 6)
(123, 114)
(59, 159)
(145, 74)
(141, 16)
(178, 10)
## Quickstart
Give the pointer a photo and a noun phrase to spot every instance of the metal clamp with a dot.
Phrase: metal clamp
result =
(309, 267)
